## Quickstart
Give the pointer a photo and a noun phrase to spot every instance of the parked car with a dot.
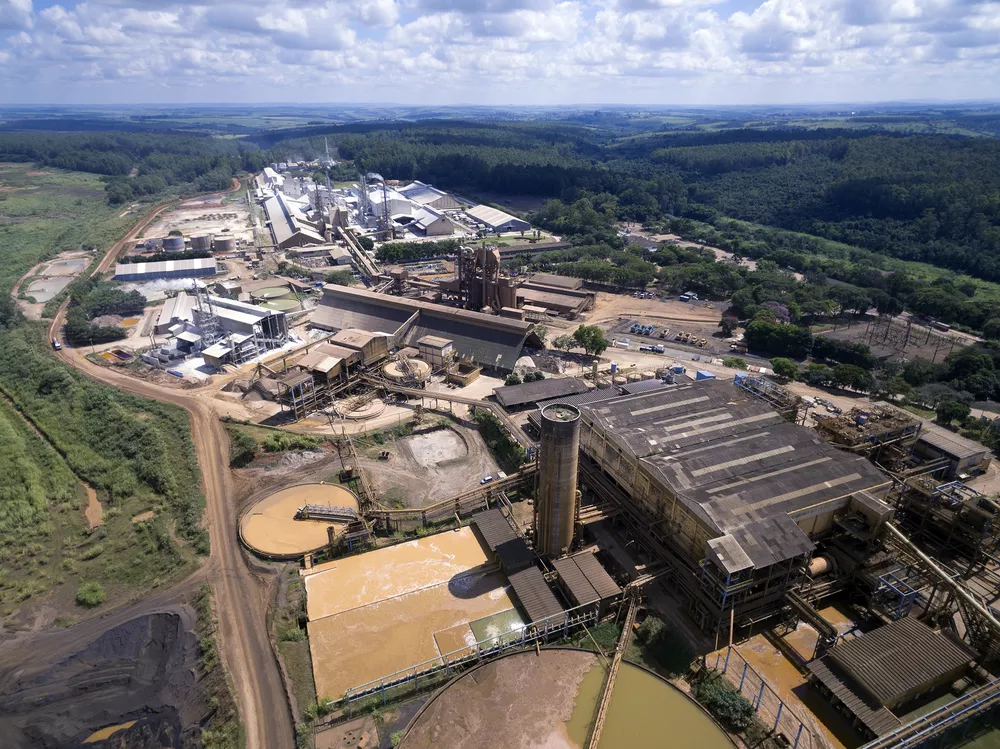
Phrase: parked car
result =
(486, 480)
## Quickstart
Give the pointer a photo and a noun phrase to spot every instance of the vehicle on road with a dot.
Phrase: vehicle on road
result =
(486, 480)
(56, 345)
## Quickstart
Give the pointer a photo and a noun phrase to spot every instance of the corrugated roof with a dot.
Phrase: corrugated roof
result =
(494, 528)
(551, 299)
(733, 462)
(580, 399)
(434, 341)
(948, 442)
(898, 658)
(492, 216)
(585, 578)
(603, 583)
(511, 396)
(875, 717)
(196, 266)
(643, 386)
(422, 193)
(534, 594)
(551, 279)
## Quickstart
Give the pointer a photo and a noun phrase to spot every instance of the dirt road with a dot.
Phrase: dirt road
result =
(240, 600)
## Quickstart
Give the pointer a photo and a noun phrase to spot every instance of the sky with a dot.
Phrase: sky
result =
(498, 52)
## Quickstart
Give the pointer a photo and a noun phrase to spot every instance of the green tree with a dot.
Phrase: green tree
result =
(991, 329)
(542, 331)
(949, 411)
(367, 243)
(784, 368)
(591, 338)
(564, 342)
(512, 379)
(728, 326)
(853, 377)
(340, 278)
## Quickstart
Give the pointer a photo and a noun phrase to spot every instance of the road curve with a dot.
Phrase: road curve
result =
(239, 600)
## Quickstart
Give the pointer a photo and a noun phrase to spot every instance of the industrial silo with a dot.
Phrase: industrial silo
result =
(225, 244)
(558, 456)
(173, 243)
(204, 242)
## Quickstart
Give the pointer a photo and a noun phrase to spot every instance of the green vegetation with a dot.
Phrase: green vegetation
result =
(591, 339)
(222, 728)
(279, 442)
(720, 698)
(404, 252)
(534, 376)
(735, 362)
(341, 278)
(90, 595)
(242, 447)
(508, 454)
(786, 369)
(136, 454)
(512, 379)
(669, 651)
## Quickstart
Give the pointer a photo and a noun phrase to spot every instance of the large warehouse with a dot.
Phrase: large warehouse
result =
(429, 196)
(726, 490)
(491, 341)
(496, 220)
(288, 226)
(192, 268)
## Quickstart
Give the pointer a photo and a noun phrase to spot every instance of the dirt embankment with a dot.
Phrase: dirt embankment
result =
(143, 670)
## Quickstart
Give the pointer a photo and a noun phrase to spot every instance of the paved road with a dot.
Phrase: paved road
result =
(240, 601)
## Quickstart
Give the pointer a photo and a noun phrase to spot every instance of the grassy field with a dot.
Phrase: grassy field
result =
(137, 454)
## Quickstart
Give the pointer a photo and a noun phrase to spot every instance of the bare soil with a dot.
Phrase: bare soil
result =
(428, 466)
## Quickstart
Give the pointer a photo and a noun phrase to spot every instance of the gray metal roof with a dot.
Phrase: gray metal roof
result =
(596, 575)
(534, 594)
(512, 396)
(735, 464)
(643, 386)
(551, 279)
(497, 533)
(899, 658)
(580, 399)
(948, 442)
(875, 717)
(580, 590)
(489, 340)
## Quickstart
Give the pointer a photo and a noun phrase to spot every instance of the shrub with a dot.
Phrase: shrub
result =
(292, 634)
(735, 362)
(512, 379)
(242, 448)
(666, 647)
(730, 707)
(90, 595)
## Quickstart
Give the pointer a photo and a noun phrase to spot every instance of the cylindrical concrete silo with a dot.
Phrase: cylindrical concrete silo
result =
(558, 458)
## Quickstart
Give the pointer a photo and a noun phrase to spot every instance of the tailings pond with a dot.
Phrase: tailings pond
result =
(550, 701)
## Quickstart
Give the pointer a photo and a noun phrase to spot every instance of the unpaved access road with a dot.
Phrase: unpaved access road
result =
(240, 601)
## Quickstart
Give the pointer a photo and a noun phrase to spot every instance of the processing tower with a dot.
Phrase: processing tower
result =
(558, 458)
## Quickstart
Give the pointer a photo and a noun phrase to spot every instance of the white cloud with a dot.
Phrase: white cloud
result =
(537, 51)
(15, 14)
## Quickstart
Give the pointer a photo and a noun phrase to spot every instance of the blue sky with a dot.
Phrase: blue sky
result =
(438, 52)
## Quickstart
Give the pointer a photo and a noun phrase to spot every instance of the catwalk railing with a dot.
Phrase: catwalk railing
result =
(409, 678)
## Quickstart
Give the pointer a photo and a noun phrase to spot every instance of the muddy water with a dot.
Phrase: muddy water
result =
(105, 733)
(68, 267)
(271, 527)
(45, 288)
(644, 712)
(346, 584)
(372, 641)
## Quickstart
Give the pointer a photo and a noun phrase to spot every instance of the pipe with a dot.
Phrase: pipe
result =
(958, 589)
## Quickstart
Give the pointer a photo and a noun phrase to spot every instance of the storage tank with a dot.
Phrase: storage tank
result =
(224, 244)
(648, 375)
(603, 383)
(662, 372)
(614, 367)
(204, 242)
(558, 457)
(173, 243)
(634, 377)
(619, 380)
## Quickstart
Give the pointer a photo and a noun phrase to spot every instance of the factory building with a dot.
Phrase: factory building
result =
(388, 199)
(238, 331)
(881, 674)
(496, 220)
(722, 488)
(192, 268)
(176, 311)
(428, 222)
(428, 196)
(557, 300)
(493, 342)
(965, 458)
(289, 227)
(516, 397)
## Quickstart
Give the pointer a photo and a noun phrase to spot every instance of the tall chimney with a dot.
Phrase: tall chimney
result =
(558, 459)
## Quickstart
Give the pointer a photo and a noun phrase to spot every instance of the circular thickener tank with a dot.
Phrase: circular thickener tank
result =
(648, 375)
(224, 244)
(173, 243)
(273, 292)
(558, 457)
(282, 305)
(634, 377)
(204, 242)
(603, 383)
(524, 699)
(416, 371)
(269, 527)
(619, 380)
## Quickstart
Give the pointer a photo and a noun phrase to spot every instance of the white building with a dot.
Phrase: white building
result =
(428, 196)
(430, 223)
(496, 220)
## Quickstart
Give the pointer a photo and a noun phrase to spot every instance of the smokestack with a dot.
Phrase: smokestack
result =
(558, 458)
